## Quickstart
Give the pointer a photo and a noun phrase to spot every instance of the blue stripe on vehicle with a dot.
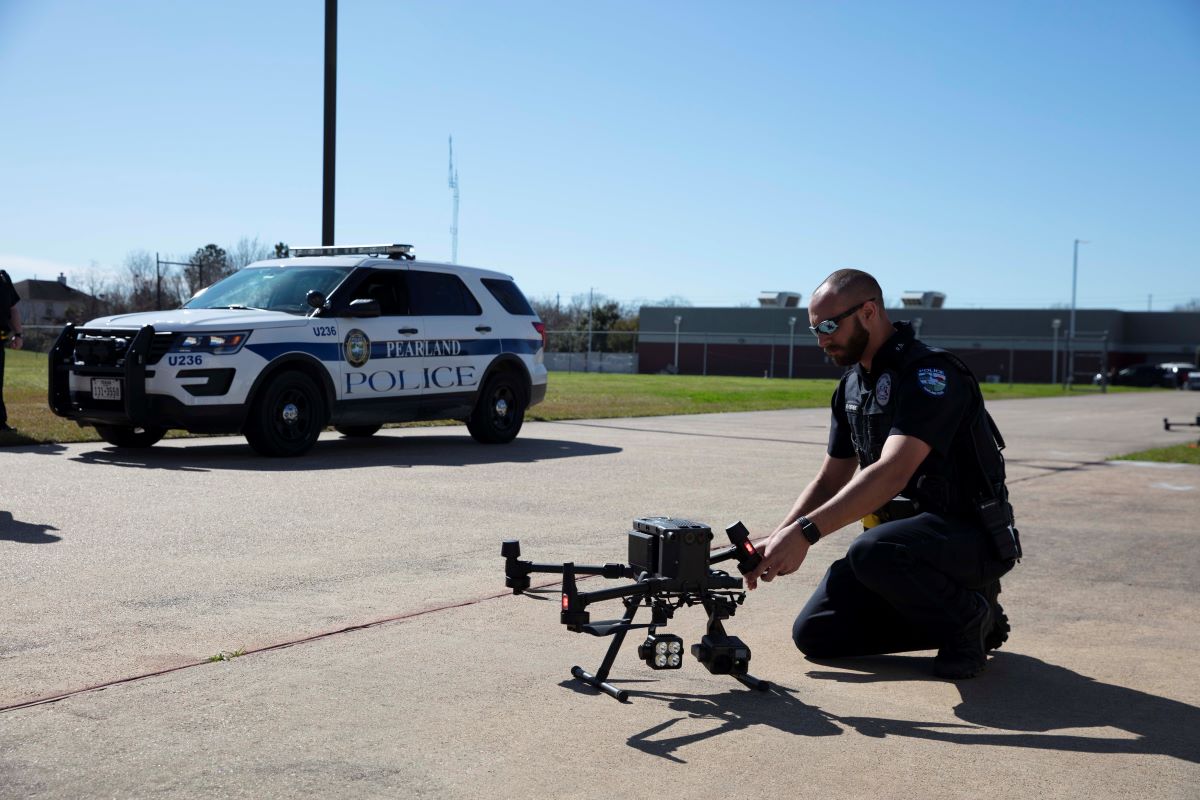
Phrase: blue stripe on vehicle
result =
(325, 351)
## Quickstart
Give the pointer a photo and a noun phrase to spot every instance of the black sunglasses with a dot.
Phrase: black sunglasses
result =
(829, 326)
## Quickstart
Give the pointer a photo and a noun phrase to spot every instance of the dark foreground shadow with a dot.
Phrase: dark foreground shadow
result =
(735, 710)
(1019, 702)
(332, 453)
(1023, 700)
(12, 530)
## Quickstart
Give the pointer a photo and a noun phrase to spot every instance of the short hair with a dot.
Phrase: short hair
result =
(857, 284)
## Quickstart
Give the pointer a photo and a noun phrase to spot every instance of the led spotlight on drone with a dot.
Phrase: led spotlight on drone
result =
(670, 563)
(662, 651)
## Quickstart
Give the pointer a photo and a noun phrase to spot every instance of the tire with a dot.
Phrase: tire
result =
(129, 436)
(287, 417)
(500, 410)
(357, 431)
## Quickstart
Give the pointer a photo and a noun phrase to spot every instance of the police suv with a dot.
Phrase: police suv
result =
(352, 337)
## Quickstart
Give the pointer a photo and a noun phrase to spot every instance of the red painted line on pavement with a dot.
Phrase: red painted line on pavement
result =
(54, 698)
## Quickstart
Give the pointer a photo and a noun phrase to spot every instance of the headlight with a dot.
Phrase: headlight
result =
(219, 344)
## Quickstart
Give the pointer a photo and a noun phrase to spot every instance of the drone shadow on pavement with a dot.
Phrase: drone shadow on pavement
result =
(1021, 700)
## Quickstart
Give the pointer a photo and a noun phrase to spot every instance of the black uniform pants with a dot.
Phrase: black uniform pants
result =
(902, 585)
(3, 410)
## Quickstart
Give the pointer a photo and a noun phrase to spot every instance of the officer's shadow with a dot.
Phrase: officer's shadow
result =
(1022, 700)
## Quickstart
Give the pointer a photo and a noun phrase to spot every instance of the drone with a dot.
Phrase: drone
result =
(670, 563)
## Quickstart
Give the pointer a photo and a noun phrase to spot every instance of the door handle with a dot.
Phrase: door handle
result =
(483, 329)
(407, 330)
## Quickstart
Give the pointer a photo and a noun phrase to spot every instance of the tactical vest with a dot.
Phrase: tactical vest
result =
(976, 477)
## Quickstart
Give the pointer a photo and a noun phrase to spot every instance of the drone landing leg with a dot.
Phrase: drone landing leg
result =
(600, 679)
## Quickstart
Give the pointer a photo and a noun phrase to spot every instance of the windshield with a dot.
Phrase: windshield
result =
(270, 288)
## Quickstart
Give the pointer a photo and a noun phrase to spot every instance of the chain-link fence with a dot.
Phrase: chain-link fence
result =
(995, 359)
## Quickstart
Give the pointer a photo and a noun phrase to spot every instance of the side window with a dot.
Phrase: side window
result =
(390, 288)
(509, 296)
(438, 294)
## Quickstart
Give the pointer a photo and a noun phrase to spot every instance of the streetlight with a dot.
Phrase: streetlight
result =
(1071, 331)
(678, 319)
(1055, 324)
(791, 342)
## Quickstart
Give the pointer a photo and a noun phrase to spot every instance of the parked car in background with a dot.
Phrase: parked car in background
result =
(1170, 374)
(1137, 375)
(1175, 373)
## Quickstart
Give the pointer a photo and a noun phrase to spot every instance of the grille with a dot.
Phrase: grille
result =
(108, 348)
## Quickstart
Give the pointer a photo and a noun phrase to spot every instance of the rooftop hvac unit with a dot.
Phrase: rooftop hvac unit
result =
(779, 299)
(922, 299)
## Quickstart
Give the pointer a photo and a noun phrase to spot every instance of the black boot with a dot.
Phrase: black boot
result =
(998, 635)
(965, 654)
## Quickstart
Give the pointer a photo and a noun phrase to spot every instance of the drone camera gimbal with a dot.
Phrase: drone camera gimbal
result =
(670, 563)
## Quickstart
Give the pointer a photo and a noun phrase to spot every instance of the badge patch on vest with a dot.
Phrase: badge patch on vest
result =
(933, 381)
(883, 389)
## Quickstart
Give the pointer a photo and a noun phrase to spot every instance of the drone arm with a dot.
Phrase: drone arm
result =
(741, 548)
(516, 572)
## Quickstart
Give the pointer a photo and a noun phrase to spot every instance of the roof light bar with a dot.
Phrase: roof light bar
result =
(390, 250)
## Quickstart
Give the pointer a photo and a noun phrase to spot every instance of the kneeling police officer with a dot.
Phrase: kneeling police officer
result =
(914, 454)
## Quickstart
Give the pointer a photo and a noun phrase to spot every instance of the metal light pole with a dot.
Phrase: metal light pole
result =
(1070, 369)
(678, 320)
(1055, 324)
(791, 342)
(327, 182)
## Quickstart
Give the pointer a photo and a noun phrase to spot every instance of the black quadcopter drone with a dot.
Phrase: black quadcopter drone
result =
(670, 563)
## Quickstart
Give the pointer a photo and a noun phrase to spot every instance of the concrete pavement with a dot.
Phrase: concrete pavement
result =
(119, 565)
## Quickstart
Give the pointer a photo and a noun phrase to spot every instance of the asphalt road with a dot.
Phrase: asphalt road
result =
(384, 659)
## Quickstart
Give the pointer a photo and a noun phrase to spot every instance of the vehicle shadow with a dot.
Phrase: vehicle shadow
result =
(1019, 702)
(333, 453)
(13, 530)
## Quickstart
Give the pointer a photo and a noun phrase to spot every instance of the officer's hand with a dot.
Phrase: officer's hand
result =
(783, 554)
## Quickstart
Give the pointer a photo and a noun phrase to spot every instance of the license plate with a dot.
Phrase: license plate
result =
(106, 388)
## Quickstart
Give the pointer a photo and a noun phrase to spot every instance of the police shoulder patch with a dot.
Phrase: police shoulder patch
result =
(883, 389)
(932, 380)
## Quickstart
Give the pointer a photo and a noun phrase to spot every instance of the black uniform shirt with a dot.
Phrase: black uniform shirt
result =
(8, 299)
(930, 402)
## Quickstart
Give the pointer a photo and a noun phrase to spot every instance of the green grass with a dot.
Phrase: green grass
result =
(569, 396)
(1177, 454)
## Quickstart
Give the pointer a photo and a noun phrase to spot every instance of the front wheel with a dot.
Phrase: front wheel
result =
(287, 417)
(129, 436)
(500, 410)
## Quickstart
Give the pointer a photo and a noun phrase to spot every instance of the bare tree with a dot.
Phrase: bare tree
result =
(98, 287)
(247, 251)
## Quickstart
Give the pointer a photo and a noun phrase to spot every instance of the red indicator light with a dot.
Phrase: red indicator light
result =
(540, 327)
(749, 547)
(566, 603)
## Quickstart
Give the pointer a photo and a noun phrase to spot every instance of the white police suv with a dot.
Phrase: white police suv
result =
(352, 337)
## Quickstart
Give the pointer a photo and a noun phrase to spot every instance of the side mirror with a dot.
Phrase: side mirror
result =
(363, 307)
(315, 299)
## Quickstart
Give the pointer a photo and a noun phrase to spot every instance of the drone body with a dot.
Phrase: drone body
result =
(670, 563)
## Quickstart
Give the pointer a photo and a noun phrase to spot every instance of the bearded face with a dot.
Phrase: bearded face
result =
(852, 350)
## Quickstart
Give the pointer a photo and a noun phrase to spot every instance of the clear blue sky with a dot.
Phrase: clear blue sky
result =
(708, 150)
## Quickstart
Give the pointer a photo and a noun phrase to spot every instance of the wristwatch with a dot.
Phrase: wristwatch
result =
(809, 530)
